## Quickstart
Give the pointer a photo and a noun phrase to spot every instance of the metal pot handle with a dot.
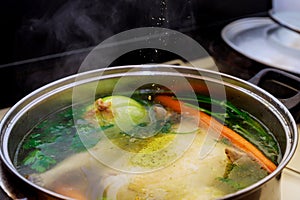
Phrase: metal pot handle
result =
(289, 80)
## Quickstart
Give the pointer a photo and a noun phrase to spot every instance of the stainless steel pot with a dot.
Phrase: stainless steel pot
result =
(26, 113)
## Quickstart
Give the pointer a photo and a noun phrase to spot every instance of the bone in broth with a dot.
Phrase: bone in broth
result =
(148, 147)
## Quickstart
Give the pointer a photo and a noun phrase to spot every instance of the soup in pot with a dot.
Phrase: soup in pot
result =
(148, 146)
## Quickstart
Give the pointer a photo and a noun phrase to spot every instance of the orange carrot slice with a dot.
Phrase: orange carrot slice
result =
(70, 192)
(206, 121)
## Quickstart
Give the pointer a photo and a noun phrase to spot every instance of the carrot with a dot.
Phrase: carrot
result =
(69, 192)
(206, 121)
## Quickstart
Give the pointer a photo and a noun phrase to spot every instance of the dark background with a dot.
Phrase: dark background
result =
(42, 40)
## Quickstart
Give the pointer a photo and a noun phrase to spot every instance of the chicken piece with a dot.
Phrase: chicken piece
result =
(188, 177)
(82, 174)
(102, 106)
(160, 112)
(234, 154)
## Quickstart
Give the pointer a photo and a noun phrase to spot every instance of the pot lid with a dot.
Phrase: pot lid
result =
(288, 19)
(265, 41)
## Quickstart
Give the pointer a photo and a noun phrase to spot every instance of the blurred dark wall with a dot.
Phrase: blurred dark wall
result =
(34, 28)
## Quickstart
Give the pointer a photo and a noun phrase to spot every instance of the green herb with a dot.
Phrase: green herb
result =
(233, 184)
(166, 127)
(228, 169)
(89, 137)
(54, 135)
(39, 161)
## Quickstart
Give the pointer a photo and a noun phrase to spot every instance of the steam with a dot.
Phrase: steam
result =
(75, 24)
(82, 23)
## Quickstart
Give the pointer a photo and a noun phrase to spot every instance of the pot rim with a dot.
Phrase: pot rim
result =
(69, 81)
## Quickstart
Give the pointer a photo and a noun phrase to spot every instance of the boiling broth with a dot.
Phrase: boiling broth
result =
(54, 156)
